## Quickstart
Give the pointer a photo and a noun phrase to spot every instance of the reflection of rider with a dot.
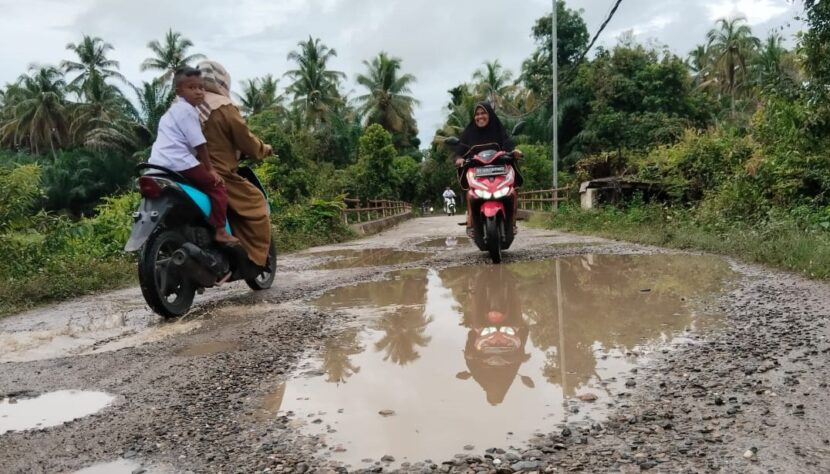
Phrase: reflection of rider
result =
(485, 132)
(495, 347)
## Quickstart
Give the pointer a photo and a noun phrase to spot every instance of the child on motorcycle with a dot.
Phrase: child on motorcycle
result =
(181, 147)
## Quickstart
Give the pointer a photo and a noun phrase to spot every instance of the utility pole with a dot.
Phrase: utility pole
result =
(555, 93)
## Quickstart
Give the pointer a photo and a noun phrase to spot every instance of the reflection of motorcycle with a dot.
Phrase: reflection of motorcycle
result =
(449, 206)
(490, 178)
(178, 256)
(497, 335)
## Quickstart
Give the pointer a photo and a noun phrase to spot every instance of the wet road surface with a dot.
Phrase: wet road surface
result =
(407, 351)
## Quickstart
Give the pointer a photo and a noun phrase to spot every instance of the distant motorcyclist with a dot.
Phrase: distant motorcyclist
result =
(449, 201)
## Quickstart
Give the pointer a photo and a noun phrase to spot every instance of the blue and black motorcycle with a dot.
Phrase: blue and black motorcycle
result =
(178, 256)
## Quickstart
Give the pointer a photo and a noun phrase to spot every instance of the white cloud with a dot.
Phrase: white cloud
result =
(755, 11)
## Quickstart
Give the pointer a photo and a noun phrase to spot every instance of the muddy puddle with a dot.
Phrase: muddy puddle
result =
(208, 348)
(340, 259)
(50, 409)
(487, 356)
(446, 243)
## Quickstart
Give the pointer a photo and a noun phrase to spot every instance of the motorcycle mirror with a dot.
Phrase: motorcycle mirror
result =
(527, 381)
(452, 141)
(463, 375)
(518, 128)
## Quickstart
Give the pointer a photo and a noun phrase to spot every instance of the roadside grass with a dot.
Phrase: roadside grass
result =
(781, 242)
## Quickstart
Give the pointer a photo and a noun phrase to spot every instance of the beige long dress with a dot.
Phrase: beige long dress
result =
(226, 133)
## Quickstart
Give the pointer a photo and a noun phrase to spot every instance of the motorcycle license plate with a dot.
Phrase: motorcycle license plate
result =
(485, 171)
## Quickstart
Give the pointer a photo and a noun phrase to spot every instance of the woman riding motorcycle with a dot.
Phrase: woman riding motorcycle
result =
(484, 132)
(227, 136)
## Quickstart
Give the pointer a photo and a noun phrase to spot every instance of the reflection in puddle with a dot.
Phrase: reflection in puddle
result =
(468, 355)
(340, 259)
(208, 348)
(271, 403)
(445, 243)
(121, 466)
(50, 409)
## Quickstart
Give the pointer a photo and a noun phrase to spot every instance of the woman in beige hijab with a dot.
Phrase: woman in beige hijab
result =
(227, 136)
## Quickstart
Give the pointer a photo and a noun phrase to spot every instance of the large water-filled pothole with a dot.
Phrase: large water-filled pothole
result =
(50, 409)
(340, 259)
(486, 356)
(445, 243)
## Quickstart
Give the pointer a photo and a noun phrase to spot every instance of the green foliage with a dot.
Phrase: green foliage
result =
(405, 174)
(372, 174)
(536, 166)
(700, 162)
(79, 179)
(19, 189)
(299, 226)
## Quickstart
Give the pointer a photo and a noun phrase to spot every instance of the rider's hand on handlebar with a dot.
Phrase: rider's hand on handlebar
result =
(269, 150)
(459, 162)
(518, 153)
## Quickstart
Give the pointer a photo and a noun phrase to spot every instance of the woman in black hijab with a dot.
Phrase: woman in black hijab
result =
(485, 132)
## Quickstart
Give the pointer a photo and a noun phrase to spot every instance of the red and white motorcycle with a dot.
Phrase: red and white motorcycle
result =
(491, 178)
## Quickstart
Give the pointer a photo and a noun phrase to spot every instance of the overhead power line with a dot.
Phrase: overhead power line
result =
(599, 32)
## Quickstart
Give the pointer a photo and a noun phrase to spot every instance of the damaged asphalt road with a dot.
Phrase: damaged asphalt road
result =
(192, 395)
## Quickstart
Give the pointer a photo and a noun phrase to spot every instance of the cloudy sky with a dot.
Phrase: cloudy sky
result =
(441, 42)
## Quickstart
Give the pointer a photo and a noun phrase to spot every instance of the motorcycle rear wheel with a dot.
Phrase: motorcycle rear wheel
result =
(168, 293)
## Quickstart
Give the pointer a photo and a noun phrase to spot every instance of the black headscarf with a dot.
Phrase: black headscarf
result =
(477, 139)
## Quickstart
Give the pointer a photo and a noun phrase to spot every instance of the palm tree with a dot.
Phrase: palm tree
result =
(732, 45)
(169, 55)
(387, 102)
(493, 81)
(259, 94)
(92, 61)
(700, 63)
(106, 120)
(314, 87)
(154, 98)
(37, 115)
(773, 63)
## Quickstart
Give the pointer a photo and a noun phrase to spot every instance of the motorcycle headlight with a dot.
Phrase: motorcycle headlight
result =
(500, 193)
(483, 194)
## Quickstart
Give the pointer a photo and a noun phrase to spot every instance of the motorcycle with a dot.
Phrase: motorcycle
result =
(449, 206)
(177, 255)
(491, 177)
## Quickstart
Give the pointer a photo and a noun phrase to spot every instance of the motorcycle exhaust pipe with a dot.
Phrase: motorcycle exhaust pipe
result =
(188, 262)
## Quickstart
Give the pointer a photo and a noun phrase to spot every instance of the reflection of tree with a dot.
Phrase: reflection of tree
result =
(404, 332)
(336, 356)
(603, 300)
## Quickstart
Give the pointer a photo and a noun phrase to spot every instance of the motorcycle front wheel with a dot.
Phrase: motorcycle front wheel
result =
(167, 292)
(492, 229)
